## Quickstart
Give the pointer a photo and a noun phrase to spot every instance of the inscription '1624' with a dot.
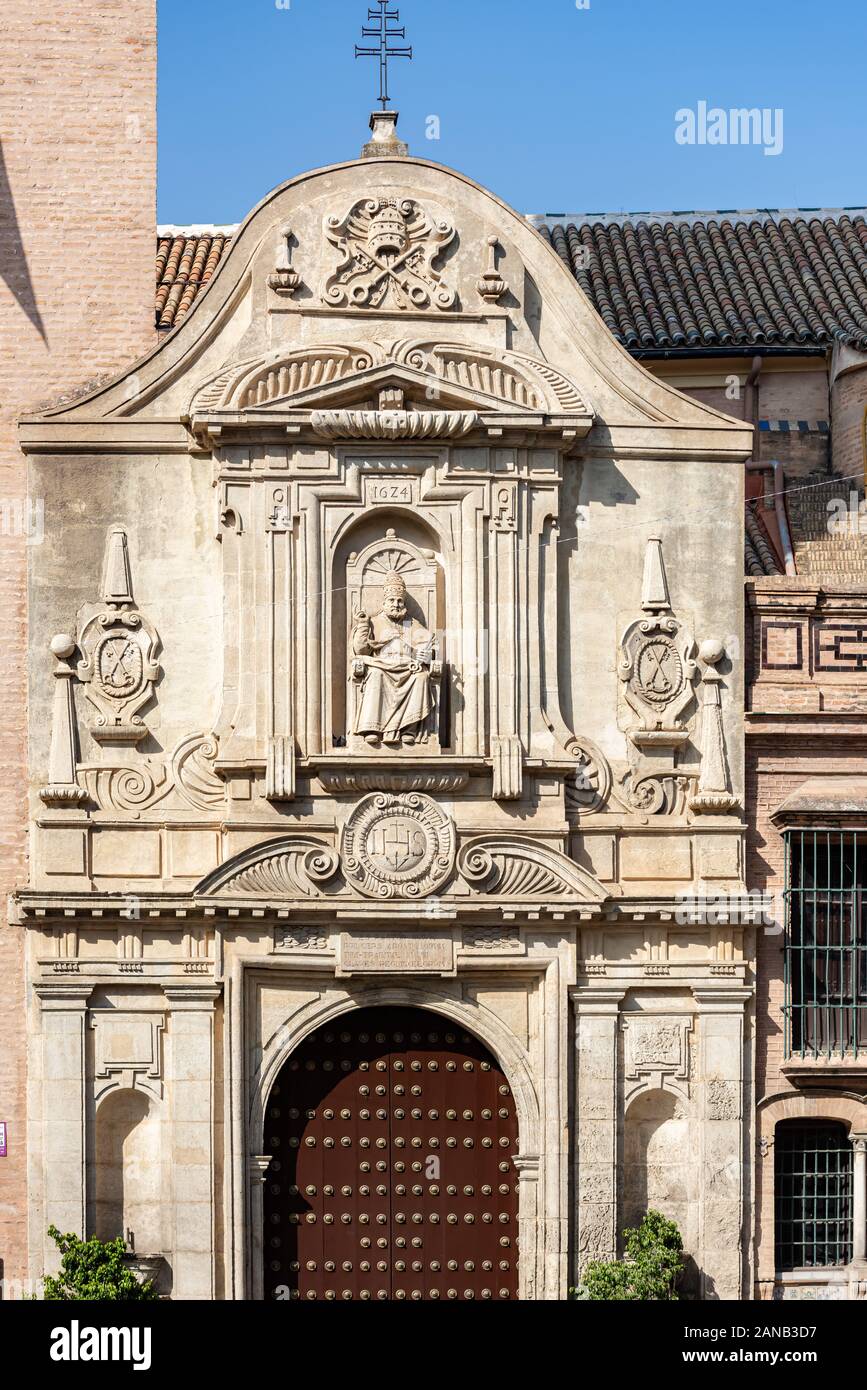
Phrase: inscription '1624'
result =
(390, 492)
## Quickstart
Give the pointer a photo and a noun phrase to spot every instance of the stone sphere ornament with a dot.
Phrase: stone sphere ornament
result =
(62, 645)
(712, 651)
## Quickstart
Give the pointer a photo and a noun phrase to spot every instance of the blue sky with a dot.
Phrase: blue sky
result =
(555, 108)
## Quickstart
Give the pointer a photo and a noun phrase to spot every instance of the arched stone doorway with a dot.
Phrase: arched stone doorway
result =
(392, 1132)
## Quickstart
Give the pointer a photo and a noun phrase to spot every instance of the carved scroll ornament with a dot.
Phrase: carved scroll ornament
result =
(388, 247)
(512, 867)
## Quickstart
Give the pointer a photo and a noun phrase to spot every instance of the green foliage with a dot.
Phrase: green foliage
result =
(649, 1271)
(93, 1271)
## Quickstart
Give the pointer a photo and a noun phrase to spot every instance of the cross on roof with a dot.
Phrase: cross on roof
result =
(385, 33)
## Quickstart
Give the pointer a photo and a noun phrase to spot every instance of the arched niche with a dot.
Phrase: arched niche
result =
(374, 546)
(128, 1180)
(661, 1163)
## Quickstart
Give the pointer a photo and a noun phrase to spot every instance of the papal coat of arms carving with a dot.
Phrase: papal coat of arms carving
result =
(388, 247)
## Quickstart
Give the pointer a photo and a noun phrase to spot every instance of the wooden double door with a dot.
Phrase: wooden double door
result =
(392, 1134)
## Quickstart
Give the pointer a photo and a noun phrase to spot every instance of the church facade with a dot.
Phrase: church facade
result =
(421, 850)
(386, 716)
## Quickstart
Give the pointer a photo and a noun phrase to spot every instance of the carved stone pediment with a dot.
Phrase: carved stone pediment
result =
(291, 867)
(511, 866)
(401, 847)
(405, 389)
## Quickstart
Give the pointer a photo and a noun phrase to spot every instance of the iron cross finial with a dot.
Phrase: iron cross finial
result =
(385, 33)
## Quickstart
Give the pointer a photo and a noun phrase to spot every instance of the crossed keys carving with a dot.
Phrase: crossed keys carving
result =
(658, 670)
(120, 665)
(389, 270)
(388, 247)
(115, 672)
(658, 658)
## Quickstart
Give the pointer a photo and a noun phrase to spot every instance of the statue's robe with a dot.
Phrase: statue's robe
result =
(395, 698)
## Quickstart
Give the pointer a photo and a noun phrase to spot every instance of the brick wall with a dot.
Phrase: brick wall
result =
(807, 719)
(777, 766)
(848, 403)
(77, 229)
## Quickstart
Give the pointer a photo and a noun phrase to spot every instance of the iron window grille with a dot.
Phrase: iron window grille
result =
(825, 1009)
(812, 1196)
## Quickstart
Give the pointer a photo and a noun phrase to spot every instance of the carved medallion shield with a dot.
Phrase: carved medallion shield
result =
(659, 671)
(119, 666)
(398, 846)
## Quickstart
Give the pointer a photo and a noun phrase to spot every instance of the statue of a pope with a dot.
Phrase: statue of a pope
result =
(392, 659)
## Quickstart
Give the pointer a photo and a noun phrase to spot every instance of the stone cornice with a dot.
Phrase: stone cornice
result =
(36, 909)
(38, 436)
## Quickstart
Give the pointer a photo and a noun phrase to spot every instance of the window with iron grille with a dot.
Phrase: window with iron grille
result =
(812, 1195)
(826, 943)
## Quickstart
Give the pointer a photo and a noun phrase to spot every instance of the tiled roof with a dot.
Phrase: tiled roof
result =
(662, 282)
(721, 281)
(186, 259)
(759, 556)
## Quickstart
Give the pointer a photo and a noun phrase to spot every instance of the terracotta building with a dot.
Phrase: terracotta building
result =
(438, 702)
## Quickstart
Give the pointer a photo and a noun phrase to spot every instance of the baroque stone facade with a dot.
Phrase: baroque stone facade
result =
(380, 669)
